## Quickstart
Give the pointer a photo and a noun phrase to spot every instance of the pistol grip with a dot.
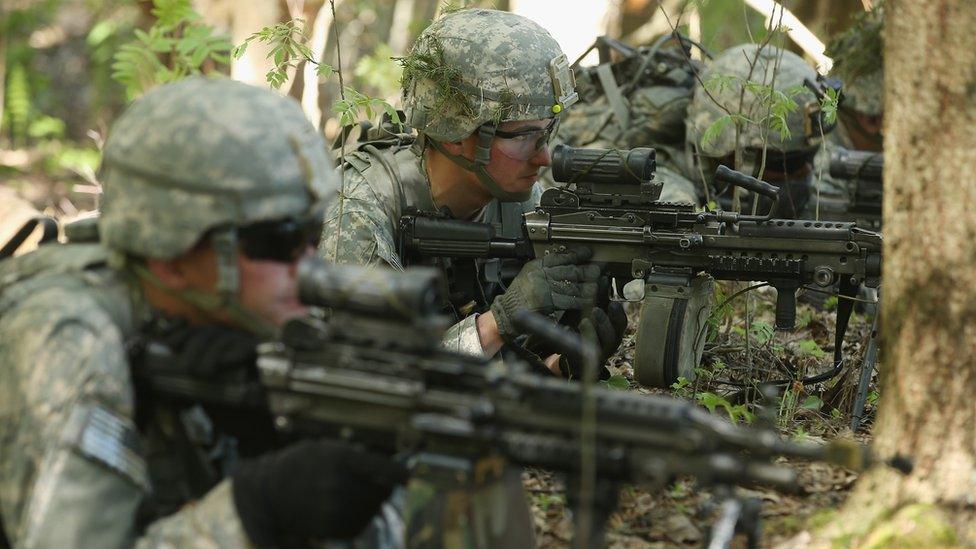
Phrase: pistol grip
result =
(785, 306)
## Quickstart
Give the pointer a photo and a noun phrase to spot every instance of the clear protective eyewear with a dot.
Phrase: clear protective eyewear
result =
(524, 144)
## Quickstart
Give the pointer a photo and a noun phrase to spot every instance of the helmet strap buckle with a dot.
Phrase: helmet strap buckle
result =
(224, 243)
(482, 153)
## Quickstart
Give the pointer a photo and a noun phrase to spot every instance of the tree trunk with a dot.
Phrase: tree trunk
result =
(929, 311)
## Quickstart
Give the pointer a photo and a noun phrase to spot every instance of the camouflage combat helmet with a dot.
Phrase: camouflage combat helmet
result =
(725, 76)
(858, 55)
(472, 69)
(205, 153)
(208, 155)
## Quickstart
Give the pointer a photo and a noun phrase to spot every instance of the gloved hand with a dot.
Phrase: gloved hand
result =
(604, 327)
(209, 350)
(560, 281)
(314, 489)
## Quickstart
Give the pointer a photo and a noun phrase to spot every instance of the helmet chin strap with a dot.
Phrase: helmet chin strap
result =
(224, 302)
(478, 166)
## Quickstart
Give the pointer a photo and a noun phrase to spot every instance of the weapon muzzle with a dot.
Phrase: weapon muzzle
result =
(851, 164)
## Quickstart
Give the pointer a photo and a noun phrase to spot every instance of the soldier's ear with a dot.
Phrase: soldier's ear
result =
(455, 147)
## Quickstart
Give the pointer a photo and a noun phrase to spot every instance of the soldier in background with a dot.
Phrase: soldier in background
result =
(858, 56)
(484, 90)
(665, 106)
(778, 148)
(212, 194)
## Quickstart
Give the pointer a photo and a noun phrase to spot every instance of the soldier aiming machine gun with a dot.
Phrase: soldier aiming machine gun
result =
(373, 371)
(613, 208)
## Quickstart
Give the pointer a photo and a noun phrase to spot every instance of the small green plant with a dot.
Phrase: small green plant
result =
(177, 45)
(873, 397)
(809, 347)
(787, 407)
(761, 331)
(682, 387)
(830, 303)
(828, 104)
(287, 50)
(617, 382)
(712, 401)
(679, 489)
(355, 102)
(546, 500)
(804, 317)
(812, 402)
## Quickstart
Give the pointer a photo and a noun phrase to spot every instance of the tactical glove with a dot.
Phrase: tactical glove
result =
(560, 281)
(209, 350)
(312, 490)
(604, 327)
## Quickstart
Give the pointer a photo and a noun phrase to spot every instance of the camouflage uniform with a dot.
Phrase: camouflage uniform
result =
(362, 226)
(82, 461)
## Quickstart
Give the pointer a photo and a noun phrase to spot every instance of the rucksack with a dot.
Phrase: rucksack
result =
(638, 99)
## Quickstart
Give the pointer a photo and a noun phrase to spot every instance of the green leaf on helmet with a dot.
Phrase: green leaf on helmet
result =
(829, 105)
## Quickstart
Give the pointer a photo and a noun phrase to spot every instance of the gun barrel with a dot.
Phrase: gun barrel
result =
(415, 293)
(851, 164)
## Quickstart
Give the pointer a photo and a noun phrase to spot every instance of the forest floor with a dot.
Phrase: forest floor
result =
(681, 514)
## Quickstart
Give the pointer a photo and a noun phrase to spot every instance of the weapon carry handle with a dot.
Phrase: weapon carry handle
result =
(739, 179)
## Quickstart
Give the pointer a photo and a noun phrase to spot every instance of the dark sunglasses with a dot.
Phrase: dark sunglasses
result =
(283, 240)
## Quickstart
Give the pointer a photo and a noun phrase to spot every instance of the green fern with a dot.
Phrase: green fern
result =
(178, 33)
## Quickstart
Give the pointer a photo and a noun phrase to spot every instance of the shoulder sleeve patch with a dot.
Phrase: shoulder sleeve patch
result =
(105, 437)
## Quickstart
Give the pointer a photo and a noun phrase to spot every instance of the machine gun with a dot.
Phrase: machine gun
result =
(372, 371)
(613, 209)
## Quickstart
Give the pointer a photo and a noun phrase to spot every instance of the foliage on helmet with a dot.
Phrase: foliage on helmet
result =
(476, 66)
(760, 92)
(204, 153)
(858, 55)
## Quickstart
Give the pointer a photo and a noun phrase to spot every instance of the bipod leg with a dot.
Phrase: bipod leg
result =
(736, 516)
(604, 503)
(867, 368)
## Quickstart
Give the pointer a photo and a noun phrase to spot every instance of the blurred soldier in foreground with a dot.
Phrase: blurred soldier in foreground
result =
(211, 196)
(484, 89)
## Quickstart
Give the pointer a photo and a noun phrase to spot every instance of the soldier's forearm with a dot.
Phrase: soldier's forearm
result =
(491, 340)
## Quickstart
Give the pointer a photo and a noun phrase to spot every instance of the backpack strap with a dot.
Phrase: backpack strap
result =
(616, 99)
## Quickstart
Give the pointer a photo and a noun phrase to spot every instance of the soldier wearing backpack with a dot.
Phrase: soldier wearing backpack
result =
(698, 117)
